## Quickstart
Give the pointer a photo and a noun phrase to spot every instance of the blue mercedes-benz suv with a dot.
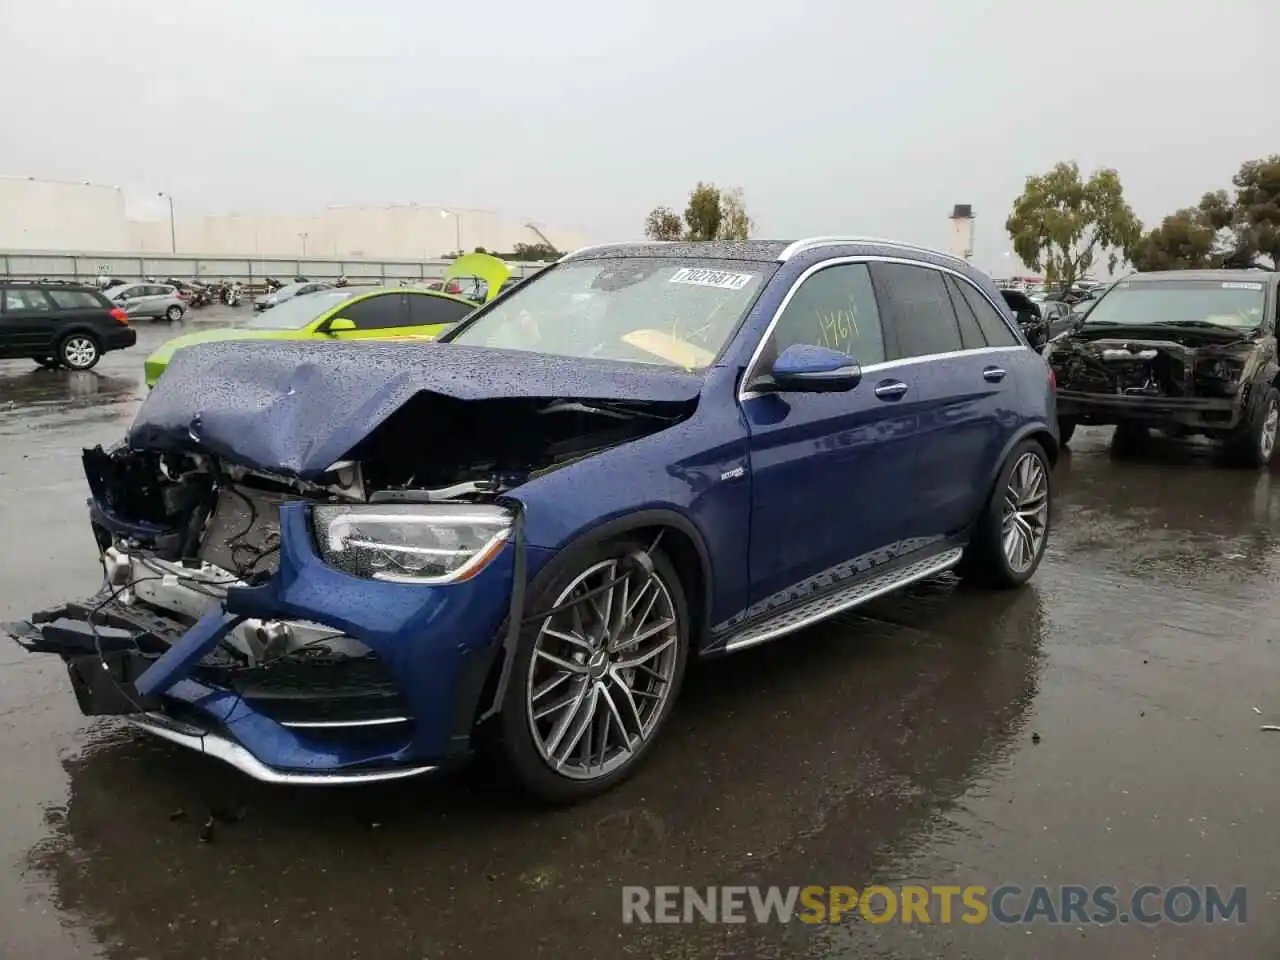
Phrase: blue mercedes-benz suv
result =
(348, 562)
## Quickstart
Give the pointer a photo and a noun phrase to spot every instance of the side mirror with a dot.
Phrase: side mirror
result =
(337, 325)
(803, 368)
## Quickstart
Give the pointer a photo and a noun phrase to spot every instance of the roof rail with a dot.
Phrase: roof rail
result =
(46, 281)
(800, 246)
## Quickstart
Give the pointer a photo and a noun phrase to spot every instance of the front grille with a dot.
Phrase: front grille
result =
(243, 532)
(307, 689)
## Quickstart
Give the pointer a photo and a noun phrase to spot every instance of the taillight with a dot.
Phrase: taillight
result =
(1053, 380)
(119, 316)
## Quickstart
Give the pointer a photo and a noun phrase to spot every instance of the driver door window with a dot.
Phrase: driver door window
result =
(378, 313)
(835, 308)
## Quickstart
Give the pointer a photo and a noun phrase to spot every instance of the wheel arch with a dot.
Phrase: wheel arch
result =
(1037, 431)
(675, 534)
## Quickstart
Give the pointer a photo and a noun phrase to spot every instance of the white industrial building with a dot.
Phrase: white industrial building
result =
(55, 216)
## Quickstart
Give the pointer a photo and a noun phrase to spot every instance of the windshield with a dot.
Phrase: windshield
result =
(1224, 303)
(675, 312)
(296, 313)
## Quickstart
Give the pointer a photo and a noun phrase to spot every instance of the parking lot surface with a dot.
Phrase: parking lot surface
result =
(1101, 727)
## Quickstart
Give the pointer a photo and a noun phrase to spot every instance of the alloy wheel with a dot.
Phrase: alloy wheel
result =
(1267, 439)
(1025, 520)
(603, 670)
(79, 352)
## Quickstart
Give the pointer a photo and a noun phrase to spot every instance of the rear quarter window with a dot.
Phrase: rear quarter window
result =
(78, 300)
(992, 323)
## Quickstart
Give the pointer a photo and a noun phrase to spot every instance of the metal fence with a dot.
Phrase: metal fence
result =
(253, 271)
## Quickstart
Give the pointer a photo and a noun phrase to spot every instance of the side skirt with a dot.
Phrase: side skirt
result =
(844, 597)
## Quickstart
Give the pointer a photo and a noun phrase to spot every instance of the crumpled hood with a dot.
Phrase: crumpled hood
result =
(295, 408)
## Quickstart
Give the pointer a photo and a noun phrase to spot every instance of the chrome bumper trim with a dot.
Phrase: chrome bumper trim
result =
(341, 724)
(228, 751)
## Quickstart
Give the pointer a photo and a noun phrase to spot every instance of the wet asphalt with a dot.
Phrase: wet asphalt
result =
(1099, 727)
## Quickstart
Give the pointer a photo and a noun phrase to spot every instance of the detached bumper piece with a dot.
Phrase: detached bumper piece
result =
(173, 680)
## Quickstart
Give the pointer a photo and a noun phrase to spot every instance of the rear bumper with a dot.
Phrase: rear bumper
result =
(405, 708)
(120, 339)
(1199, 413)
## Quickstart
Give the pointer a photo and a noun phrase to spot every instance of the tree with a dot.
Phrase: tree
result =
(703, 214)
(1183, 241)
(543, 252)
(662, 224)
(734, 222)
(1257, 209)
(1062, 224)
(711, 214)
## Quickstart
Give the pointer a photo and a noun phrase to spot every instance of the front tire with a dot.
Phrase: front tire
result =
(79, 351)
(593, 683)
(1254, 442)
(1011, 534)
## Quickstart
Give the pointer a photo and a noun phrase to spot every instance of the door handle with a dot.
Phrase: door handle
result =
(993, 374)
(890, 389)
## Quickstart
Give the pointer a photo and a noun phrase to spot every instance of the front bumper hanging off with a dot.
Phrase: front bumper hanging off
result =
(404, 707)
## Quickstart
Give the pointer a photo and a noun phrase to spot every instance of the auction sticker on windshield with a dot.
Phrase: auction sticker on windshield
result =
(1242, 286)
(701, 277)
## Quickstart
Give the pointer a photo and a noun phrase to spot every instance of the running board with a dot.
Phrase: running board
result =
(829, 604)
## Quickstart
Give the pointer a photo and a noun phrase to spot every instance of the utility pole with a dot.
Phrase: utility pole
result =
(303, 234)
(173, 233)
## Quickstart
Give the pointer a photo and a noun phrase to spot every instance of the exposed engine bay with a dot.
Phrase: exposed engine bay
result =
(1183, 365)
(178, 529)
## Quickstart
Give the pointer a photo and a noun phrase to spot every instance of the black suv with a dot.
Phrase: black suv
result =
(60, 324)
(1188, 352)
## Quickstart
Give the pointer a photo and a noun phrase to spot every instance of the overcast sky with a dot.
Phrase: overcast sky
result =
(833, 116)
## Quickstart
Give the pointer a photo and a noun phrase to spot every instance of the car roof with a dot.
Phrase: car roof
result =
(1156, 276)
(758, 251)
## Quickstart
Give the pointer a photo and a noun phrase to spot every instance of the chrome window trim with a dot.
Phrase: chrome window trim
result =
(744, 394)
(799, 246)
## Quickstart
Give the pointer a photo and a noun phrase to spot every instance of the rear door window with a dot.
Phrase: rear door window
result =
(918, 308)
(378, 313)
(426, 310)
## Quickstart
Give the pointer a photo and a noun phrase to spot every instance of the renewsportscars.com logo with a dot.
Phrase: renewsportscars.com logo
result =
(1008, 904)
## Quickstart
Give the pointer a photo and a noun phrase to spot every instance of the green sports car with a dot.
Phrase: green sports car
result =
(351, 313)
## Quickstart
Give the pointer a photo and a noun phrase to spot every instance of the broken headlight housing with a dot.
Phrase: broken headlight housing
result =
(411, 543)
(1219, 369)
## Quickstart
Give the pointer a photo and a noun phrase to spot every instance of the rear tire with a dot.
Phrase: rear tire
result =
(1129, 438)
(48, 363)
(1011, 533)
(173, 314)
(579, 685)
(1253, 443)
(79, 351)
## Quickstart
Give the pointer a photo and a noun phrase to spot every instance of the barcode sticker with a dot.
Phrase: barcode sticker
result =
(700, 277)
(1242, 286)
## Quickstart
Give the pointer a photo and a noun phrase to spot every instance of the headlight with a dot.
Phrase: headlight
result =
(411, 543)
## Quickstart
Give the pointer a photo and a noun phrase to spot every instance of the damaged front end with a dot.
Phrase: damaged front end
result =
(309, 624)
(1190, 380)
